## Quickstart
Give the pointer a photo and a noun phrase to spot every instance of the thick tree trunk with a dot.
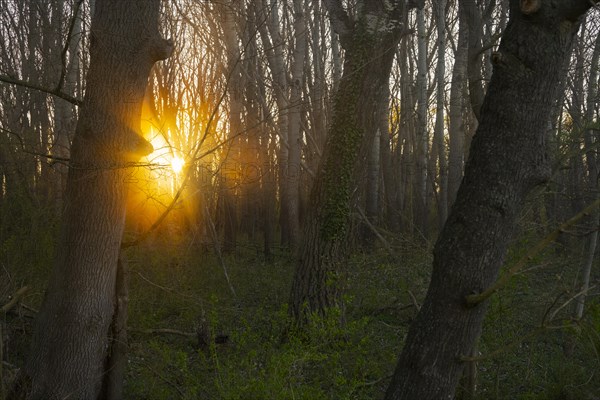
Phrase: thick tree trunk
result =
(70, 341)
(367, 64)
(508, 158)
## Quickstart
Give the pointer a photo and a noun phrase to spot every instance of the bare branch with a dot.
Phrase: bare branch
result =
(63, 54)
(29, 85)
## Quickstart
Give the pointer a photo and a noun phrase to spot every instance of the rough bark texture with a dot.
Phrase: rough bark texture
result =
(369, 54)
(70, 341)
(508, 158)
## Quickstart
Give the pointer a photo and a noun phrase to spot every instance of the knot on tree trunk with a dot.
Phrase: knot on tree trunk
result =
(529, 7)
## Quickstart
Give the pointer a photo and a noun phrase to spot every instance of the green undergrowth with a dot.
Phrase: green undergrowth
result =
(262, 358)
(179, 288)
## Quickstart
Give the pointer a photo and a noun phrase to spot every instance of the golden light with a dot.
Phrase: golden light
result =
(177, 164)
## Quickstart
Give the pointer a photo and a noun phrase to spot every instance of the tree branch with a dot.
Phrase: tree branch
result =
(63, 54)
(15, 299)
(29, 85)
(475, 299)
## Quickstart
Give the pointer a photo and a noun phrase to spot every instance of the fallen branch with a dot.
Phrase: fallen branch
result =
(164, 331)
(375, 231)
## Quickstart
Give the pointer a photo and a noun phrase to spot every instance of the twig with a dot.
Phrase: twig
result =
(15, 299)
(373, 229)
(63, 54)
(475, 299)
(414, 300)
(166, 331)
(215, 240)
(372, 383)
(569, 300)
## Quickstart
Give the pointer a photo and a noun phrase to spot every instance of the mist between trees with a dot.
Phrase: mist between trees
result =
(299, 199)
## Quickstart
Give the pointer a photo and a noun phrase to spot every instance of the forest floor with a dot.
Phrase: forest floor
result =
(247, 352)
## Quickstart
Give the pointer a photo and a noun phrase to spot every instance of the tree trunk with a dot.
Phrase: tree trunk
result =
(64, 112)
(229, 179)
(456, 127)
(508, 159)
(367, 64)
(421, 148)
(442, 198)
(473, 19)
(116, 363)
(294, 132)
(70, 341)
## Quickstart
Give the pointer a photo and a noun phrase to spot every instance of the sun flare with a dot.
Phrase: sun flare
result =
(177, 164)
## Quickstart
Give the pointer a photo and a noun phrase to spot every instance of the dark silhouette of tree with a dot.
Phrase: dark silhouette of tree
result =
(508, 158)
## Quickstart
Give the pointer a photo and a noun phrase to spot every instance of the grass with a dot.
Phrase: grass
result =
(182, 287)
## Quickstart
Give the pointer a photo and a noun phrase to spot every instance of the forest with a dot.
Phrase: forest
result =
(299, 199)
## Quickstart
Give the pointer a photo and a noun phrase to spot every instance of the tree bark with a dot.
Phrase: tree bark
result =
(508, 159)
(367, 64)
(421, 147)
(70, 341)
(116, 363)
(456, 127)
(438, 137)
(294, 133)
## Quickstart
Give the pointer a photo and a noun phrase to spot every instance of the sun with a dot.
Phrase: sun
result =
(177, 164)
